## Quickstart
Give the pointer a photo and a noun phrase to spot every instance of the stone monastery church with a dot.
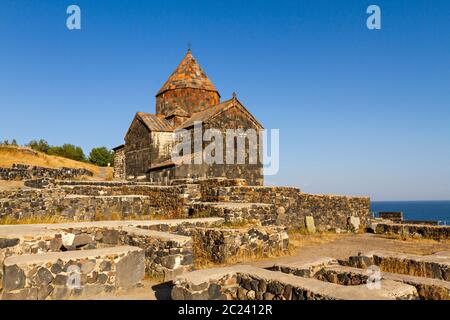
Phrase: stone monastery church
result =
(188, 97)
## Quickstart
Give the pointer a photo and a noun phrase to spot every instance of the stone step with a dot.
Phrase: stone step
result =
(59, 275)
(166, 254)
(34, 230)
(245, 282)
(306, 267)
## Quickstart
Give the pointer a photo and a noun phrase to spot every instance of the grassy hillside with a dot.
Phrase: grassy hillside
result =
(10, 155)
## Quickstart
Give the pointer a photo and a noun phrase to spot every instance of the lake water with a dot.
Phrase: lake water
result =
(417, 210)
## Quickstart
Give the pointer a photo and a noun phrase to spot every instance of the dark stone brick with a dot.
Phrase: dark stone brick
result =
(43, 277)
(111, 236)
(6, 243)
(14, 278)
(275, 287)
(60, 280)
(214, 291)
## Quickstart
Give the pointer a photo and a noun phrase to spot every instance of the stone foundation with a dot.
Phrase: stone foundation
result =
(425, 231)
(251, 283)
(290, 206)
(230, 199)
(166, 255)
(434, 266)
(61, 275)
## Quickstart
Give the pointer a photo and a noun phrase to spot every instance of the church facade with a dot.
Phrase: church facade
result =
(188, 102)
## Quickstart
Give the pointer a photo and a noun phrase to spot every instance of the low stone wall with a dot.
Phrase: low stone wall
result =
(59, 276)
(231, 199)
(427, 289)
(250, 283)
(25, 172)
(33, 203)
(255, 213)
(220, 245)
(87, 202)
(414, 230)
(433, 266)
(166, 255)
(332, 211)
(169, 200)
(292, 206)
(394, 216)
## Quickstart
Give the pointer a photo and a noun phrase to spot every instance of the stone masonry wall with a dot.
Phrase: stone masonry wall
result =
(86, 201)
(220, 245)
(25, 172)
(334, 211)
(166, 255)
(414, 230)
(44, 276)
(292, 206)
(25, 204)
(119, 164)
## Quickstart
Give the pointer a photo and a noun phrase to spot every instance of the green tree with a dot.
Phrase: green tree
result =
(101, 156)
(68, 151)
(40, 145)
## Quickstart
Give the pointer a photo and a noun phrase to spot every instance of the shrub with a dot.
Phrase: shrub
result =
(41, 145)
(101, 156)
(68, 151)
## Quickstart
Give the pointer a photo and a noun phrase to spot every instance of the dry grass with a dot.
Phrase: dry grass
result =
(57, 218)
(300, 238)
(202, 259)
(10, 155)
(42, 219)
(154, 278)
(6, 185)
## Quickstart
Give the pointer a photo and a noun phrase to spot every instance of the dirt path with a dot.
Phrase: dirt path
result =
(102, 174)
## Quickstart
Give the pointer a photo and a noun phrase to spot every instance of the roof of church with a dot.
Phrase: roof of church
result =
(178, 112)
(158, 123)
(188, 74)
(207, 114)
(154, 122)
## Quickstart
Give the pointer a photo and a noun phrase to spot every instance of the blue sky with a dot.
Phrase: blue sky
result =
(360, 112)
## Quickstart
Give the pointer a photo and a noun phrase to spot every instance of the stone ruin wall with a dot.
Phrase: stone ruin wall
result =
(224, 245)
(292, 205)
(434, 232)
(119, 164)
(90, 201)
(26, 172)
(85, 200)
